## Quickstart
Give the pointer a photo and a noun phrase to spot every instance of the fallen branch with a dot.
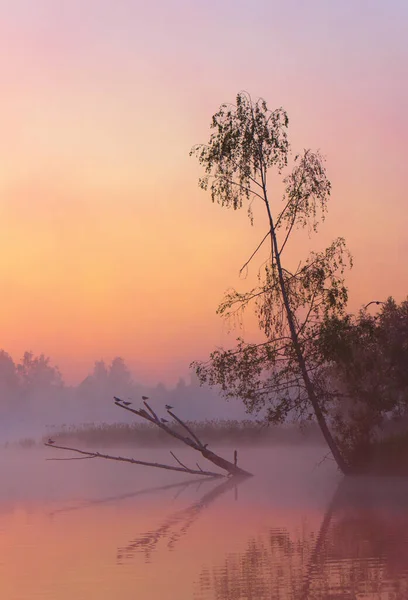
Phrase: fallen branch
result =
(151, 410)
(186, 427)
(142, 413)
(136, 462)
(194, 442)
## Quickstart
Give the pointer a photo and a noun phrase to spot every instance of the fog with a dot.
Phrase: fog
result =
(35, 401)
(294, 530)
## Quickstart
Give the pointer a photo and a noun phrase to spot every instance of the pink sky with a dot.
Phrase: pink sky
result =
(108, 246)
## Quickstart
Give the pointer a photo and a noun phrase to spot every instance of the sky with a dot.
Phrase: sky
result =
(108, 246)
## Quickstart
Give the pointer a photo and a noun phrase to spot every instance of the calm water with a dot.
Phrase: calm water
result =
(91, 529)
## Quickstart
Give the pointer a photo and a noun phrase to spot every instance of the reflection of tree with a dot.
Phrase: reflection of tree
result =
(366, 549)
(176, 525)
(359, 552)
(271, 566)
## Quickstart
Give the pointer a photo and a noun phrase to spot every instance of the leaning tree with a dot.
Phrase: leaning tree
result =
(247, 142)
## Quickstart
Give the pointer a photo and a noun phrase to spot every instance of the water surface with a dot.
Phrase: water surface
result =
(96, 529)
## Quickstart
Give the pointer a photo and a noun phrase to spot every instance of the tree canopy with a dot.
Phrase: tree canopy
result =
(364, 362)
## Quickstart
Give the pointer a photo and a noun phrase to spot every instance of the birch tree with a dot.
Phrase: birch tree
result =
(249, 141)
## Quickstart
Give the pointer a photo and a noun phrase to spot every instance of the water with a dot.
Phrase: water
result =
(88, 529)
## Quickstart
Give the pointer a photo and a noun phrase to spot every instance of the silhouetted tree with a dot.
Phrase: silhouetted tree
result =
(100, 373)
(364, 364)
(8, 374)
(181, 385)
(37, 374)
(119, 375)
(247, 141)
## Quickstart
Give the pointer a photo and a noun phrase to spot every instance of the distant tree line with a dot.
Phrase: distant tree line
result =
(35, 399)
(36, 374)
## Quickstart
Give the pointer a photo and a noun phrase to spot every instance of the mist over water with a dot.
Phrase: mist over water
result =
(91, 528)
(35, 401)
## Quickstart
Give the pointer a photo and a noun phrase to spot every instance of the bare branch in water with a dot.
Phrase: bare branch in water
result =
(179, 461)
(193, 442)
(136, 462)
(186, 427)
(151, 410)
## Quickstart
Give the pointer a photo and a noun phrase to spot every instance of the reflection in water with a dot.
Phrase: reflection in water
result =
(65, 534)
(361, 551)
(271, 566)
(180, 487)
(366, 547)
(176, 525)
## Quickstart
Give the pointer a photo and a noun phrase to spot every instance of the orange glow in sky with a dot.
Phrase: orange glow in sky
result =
(108, 246)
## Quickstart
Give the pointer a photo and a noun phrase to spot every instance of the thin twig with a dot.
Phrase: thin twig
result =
(241, 187)
(179, 461)
(79, 458)
(254, 252)
(325, 457)
(198, 466)
(378, 302)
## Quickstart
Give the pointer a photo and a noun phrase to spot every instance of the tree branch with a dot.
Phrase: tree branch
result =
(242, 187)
(254, 252)
(185, 427)
(378, 302)
(287, 234)
(79, 458)
(179, 461)
(151, 410)
(136, 462)
(194, 443)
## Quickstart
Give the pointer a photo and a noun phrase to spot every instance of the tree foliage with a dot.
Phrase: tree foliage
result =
(37, 373)
(365, 360)
(247, 141)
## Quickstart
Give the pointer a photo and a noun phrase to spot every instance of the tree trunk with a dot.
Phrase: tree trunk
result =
(344, 468)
